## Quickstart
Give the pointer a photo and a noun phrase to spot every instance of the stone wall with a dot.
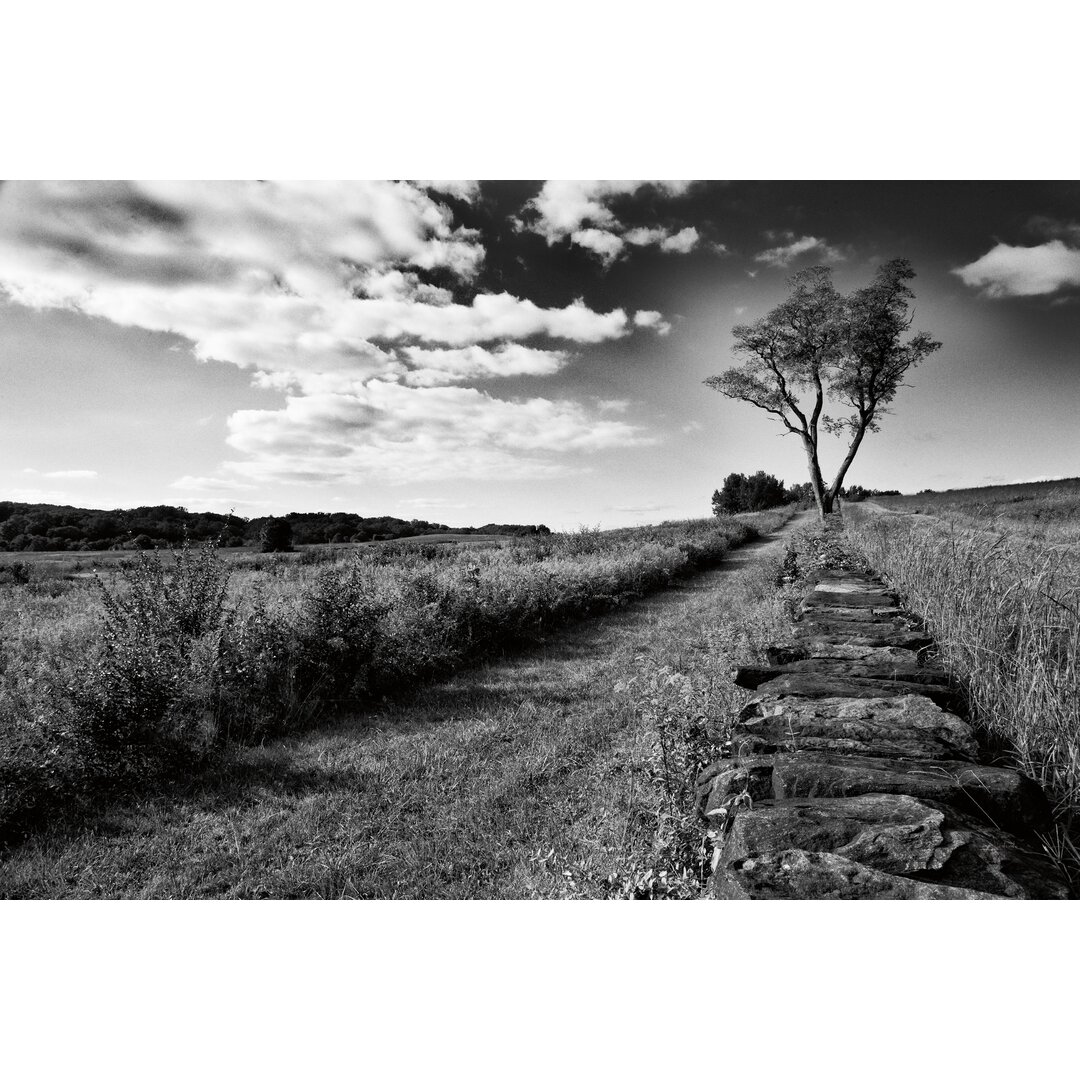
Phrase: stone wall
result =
(854, 777)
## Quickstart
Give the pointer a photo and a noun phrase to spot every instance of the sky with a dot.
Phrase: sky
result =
(470, 352)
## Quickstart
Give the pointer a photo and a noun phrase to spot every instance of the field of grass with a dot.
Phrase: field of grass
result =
(563, 771)
(1047, 511)
(122, 682)
(1001, 593)
(73, 563)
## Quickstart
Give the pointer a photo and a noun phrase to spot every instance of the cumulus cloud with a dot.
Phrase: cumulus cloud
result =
(436, 367)
(1023, 271)
(398, 432)
(578, 210)
(791, 247)
(683, 241)
(465, 190)
(324, 291)
(652, 320)
(606, 244)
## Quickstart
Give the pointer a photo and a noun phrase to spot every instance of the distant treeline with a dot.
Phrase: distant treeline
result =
(44, 527)
(762, 491)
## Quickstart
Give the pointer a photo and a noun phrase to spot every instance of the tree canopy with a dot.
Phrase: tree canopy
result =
(742, 494)
(819, 346)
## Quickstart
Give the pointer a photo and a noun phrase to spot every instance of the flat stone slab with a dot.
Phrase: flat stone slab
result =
(793, 874)
(873, 634)
(850, 588)
(836, 613)
(910, 726)
(819, 650)
(809, 684)
(751, 677)
(844, 576)
(898, 834)
(1003, 798)
(852, 600)
(846, 617)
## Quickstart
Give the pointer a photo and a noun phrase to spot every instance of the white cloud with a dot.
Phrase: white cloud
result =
(1023, 271)
(466, 190)
(605, 244)
(437, 367)
(643, 237)
(319, 290)
(579, 210)
(653, 320)
(682, 242)
(792, 247)
(398, 432)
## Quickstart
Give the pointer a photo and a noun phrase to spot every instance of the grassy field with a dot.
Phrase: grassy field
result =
(62, 563)
(142, 670)
(562, 772)
(1045, 511)
(997, 577)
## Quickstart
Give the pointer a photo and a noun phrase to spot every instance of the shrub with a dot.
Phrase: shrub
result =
(276, 535)
(147, 699)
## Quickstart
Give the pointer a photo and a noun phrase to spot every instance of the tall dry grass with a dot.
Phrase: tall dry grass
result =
(1006, 616)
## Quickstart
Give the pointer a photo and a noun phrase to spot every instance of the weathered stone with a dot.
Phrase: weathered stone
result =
(1000, 797)
(849, 588)
(820, 650)
(910, 726)
(752, 677)
(898, 834)
(835, 613)
(857, 618)
(815, 875)
(808, 684)
(853, 601)
(834, 633)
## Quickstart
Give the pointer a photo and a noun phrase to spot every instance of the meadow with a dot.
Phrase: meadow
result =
(144, 670)
(1047, 510)
(561, 770)
(996, 575)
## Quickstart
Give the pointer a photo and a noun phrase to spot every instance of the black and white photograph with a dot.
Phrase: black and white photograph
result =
(492, 549)
(540, 540)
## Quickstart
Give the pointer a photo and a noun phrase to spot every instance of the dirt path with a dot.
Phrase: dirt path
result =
(523, 778)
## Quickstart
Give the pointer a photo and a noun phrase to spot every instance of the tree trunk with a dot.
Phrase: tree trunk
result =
(823, 498)
(852, 450)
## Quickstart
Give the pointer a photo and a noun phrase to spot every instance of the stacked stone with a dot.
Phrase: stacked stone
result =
(852, 777)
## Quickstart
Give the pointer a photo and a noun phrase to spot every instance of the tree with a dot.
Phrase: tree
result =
(742, 494)
(801, 493)
(818, 344)
(276, 535)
